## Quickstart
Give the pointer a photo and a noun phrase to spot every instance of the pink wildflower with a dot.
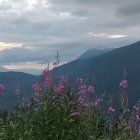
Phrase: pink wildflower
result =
(59, 89)
(83, 89)
(17, 92)
(45, 73)
(98, 101)
(1, 88)
(111, 109)
(82, 99)
(48, 83)
(124, 84)
(36, 89)
(90, 89)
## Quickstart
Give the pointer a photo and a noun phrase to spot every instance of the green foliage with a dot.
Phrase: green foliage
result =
(52, 119)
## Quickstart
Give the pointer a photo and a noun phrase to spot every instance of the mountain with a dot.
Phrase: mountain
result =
(106, 71)
(30, 71)
(2, 69)
(93, 53)
(11, 81)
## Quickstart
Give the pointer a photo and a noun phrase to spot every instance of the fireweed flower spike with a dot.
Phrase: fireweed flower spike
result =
(90, 89)
(59, 89)
(1, 88)
(98, 101)
(123, 96)
(48, 83)
(83, 89)
(45, 73)
(124, 84)
(37, 89)
(82, 99)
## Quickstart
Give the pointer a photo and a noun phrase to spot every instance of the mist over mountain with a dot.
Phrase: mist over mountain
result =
(106, 70)
(2, 69)
(30, 71)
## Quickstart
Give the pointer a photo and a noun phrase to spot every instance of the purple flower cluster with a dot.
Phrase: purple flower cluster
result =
(124, 84)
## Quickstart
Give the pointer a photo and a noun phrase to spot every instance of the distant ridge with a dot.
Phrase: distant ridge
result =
(29, 71)
(2, 69)
(106, 70)
(93, 53)
(11, 81)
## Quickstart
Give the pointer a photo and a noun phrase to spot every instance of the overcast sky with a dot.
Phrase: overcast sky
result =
(31, 31)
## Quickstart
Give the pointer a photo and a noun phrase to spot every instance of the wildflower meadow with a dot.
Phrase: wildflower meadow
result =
(59, 111)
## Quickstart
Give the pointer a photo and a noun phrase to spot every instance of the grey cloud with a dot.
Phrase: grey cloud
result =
(15, 55)
(50, 29)
(4, 7)
(119, 9)
(45, 54)
(130, 10)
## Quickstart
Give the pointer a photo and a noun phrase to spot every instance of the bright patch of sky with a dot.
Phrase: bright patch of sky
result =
(29, 65)
(111, 36)
(5, 45)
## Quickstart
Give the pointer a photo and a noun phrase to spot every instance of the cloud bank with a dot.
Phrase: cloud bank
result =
(33, 30)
